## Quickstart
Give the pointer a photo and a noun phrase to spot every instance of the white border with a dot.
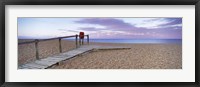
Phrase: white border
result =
(187, 74)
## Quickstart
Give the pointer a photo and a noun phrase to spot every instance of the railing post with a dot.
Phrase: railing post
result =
(36, 49)
(88, 39)
(79, 40)
(82, 41)
(60, 46)
(76, 41)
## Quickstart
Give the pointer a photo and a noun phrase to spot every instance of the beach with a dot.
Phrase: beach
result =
(140, 56)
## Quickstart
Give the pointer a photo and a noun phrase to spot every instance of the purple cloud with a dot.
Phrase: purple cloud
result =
(107, 22)
(171, 29)
(91, 29)
(173, 21)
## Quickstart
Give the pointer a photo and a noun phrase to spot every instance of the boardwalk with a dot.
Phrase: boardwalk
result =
(52, 60)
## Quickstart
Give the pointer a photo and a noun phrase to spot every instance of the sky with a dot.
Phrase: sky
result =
(101, 28)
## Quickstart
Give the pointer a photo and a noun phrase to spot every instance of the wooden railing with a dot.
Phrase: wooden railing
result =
(36, 41)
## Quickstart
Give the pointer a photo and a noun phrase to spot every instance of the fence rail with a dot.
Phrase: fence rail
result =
(36, 41)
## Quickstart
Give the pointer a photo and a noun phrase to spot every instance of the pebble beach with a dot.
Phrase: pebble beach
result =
(140, 56)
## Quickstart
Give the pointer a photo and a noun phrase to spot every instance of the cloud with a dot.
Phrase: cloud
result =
(72, 31)
(153, 28)
(172, 21)
(107, 22)
(91, 29)
(161, 23)
(66, 30)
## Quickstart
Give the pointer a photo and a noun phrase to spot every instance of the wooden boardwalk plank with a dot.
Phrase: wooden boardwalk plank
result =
(49, 61)
(25, 67)
(112, 48)
(33, 65)
(46, 63)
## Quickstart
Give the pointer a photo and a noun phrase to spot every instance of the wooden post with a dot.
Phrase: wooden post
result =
(82, 41)
(88, 39)
(76, 41)
(60, 46)
(36, 49)
(79, 41)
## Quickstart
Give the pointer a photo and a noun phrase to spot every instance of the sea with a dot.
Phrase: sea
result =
(173, 41)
